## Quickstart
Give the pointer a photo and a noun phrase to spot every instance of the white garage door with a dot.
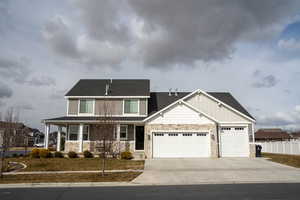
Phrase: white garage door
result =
(234, 142)
(180, 145)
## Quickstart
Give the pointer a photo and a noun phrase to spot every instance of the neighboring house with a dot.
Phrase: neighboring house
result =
(271, 134)
(19, 134)
(156, 124)
(295, 135)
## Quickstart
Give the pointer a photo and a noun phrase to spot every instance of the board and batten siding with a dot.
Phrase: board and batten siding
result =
(73, 107)
(211, 108)
(180, 114)
(115, 106)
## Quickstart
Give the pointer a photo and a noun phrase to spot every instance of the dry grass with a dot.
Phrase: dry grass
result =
(76, 164)
(291, 160)
(84, 177)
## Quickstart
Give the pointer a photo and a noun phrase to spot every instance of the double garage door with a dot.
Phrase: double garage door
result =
(181, 144)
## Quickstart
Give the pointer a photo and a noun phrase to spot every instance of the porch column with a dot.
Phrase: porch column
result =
(80, 138)
(58, 140)
(46, 138)
(253, 134)
(118, 133)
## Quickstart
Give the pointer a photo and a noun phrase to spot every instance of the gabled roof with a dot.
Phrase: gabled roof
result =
(117, 87)
(160, 100)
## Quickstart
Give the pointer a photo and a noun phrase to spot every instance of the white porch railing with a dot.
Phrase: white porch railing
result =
(282, 147)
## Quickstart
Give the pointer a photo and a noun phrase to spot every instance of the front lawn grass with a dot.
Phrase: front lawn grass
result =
(70, 178)
(291, 160)
(76, 164)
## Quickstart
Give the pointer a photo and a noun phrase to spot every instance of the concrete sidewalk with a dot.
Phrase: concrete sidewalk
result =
(69, 172)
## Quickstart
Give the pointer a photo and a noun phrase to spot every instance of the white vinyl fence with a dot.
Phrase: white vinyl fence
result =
(282, 147)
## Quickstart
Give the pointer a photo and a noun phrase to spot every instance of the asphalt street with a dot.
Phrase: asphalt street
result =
(228, 191)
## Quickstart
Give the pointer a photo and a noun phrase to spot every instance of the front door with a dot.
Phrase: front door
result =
(139, 138)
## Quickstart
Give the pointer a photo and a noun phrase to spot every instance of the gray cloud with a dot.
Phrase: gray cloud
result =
(14, 68)
(25, 107)
(60, 38)
(5, 91)
(266, 82)
(42, 81)
(58, 94)
(170, 32)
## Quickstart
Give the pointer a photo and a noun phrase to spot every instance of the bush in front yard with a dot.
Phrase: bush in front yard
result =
(58, 154)
(126, 155)
(72, 154)
(45, 153)
(35, 153)
(88, 154)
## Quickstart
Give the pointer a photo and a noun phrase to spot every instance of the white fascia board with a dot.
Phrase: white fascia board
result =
(221, 102)
(87, 121)
(108, 97)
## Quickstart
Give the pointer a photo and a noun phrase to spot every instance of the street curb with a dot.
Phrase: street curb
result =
(127, 184)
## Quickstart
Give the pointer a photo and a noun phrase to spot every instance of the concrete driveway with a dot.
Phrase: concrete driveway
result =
(223, 170)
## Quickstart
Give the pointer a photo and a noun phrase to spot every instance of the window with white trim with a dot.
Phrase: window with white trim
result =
(123, 132)
(131, 106)
(86, 106)
(74, 132)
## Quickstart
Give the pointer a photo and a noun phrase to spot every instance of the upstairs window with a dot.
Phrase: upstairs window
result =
(131, 106)
(86, 106)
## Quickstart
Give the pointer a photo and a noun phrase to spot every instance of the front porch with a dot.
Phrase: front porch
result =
(80, 137)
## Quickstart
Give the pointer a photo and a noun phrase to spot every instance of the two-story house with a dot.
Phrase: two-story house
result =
(155, 124)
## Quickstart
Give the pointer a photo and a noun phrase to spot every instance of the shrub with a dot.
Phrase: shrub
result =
(88, 154)
(58, 154)
(35, 153)
(45, 153)
(126, 155)
(52, 149)
(72, 154)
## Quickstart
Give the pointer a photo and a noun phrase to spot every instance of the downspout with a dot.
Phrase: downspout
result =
(218, 141)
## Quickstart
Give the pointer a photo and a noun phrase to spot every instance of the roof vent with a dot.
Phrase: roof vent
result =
(106, 89)
(170, 91)
(176, 92)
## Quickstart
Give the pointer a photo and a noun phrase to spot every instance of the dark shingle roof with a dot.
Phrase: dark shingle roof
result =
(272, 134)
(75, 118)
(159, 100)
(118, 87)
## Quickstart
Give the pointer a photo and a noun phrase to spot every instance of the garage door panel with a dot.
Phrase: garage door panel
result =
(180, 144)
(234, 142)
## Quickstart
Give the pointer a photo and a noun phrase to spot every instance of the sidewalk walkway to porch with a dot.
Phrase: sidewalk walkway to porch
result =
(71, 172)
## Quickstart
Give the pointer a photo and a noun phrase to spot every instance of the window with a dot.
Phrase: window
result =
(187, 134)
(131, 106)
(123, 132)
(201, 134)
(158, 134)
(173, 134)
(86, 106)
(226, 128)
(74, 132)
(239, 129)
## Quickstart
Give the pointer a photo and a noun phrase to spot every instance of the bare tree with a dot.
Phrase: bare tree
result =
(8, 128)
(105, 133)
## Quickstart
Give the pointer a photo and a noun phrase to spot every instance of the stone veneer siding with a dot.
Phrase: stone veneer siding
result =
(90, 146)
(252, 151)
(166, 127)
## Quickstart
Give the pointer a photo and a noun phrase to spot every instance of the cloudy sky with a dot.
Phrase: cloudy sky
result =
(248, 48)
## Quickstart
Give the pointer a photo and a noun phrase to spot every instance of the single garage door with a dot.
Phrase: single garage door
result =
(181, 144)
(234, 142)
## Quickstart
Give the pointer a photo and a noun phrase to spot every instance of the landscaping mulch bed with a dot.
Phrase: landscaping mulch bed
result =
(76, 164)
(69, 178)
(291, 160)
